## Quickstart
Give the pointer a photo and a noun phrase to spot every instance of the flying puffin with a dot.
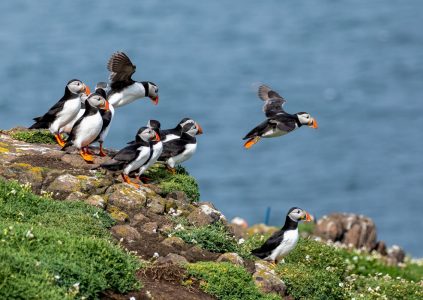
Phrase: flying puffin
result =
(181, 149)
(122, 88)
(88, 127)
(157, 148)
(283, 241)
(107, 116)
(134, 156)
(64, 111)
(278, 121)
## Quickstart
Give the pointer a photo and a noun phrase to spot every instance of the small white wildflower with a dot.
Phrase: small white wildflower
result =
(307, 257)
(179, 227)
(171, 211)
(194, 241)
(241, 241)
(370, 289)
(13, 192)
(156, 255)
(341, 284)
(132, 298)
(355, 258)
(59, 242)
(377, 288)
(95, 215)
(148, 294)
(57, 277)
(37, 263)
(29, 234)
(76, 285)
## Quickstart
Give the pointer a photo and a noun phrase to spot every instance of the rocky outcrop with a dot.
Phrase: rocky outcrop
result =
(266, 279)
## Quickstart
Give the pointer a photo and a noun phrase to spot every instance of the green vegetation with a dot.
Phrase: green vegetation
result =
(225, 281)
(318, 271)
(57, 250)
(214, 238)
(39, 136)
(168, 182)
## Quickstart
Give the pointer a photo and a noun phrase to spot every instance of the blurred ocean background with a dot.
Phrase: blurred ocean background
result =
(356, 66)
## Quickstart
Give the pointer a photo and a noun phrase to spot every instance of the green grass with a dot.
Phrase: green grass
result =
(168, 182)
(226, 281)
(38, 136)
(57, 250)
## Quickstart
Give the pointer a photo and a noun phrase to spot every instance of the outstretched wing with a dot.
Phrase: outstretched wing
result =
(273, 102)
(121, 68)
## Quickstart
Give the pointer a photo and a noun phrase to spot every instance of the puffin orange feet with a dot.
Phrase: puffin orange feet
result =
(59, 140)
(248, 144)
(102, 153)
(128, 180)
(86, 156)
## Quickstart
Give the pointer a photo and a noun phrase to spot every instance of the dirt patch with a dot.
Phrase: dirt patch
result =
(162, 282)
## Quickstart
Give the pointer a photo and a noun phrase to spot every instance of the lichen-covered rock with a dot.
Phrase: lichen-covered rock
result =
(125, 232)
(396, 255)
(126, 197)
(64, 185)
(117, 214)
(76, 196)
(156, 205)
(172, 258)
(150, 227)
(232, 258)
(97, 201)
(138, 218)
(350, 229)
(174, 241)
(266, 280)
(178, 195)
(92, 184)
(25, 173)
(205, 214)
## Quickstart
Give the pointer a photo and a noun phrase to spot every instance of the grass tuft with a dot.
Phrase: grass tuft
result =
(57, 250)
(36, 136)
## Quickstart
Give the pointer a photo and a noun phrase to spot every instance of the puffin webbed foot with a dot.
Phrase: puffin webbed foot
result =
(102, 153)
(248, 144)
(59, 140)
(128, 180)
(86, 156)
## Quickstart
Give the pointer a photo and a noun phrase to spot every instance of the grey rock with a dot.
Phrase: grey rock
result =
(266, 280)
(233, 258)
(204, 215)
(126, 197)
(173, 259)
(125, 232)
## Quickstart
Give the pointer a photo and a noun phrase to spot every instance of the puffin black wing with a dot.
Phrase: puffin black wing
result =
(172, 148)
(49, 117)
(259, 129)
(273, 102)
(129, 153)
(121, 69)
(266, 249)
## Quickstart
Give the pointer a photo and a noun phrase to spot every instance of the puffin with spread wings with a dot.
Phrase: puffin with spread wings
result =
(278, 121)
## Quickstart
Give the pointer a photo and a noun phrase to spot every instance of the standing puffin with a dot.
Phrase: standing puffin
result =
(68, 127)
(157, 148)
(88, 127)
(122, 88)
(107, 117)
(175, 133)
(64, 111)
(283, 241)
(181, 149)
(134, 156)
(278, 121)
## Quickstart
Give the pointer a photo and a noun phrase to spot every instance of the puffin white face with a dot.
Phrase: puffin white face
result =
(153, 92)
(306, 119)
(83, 97)
(186, 121)
(148, 134)
(77, 87)
(97, 100)
(192, 129)
(297, 214)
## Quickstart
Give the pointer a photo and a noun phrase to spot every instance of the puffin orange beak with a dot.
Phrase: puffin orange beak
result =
(106, 106)
(157, 137)
(155, 100)
(313, 123)
(200, 130)
(308, 217)
(87, 90)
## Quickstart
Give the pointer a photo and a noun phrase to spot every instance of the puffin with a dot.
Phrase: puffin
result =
(134, 156)
(122, 89)
(107, 117)
(278, 121)
(157, 148)
(181, 149)
(283, 241)
(64, 111)
(88, 127)
(68, 127)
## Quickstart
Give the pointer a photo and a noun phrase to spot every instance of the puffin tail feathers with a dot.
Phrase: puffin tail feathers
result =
(248, 144)
(113, 165)
(39, 124)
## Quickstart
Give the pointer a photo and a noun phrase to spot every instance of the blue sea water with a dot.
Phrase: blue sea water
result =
(356, 66)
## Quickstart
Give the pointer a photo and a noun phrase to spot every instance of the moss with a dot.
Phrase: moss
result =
(57, 250)
(37, 136)
(225, 281)
(168, 182)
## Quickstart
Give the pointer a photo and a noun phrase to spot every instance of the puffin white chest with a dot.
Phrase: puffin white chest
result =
(127, 95)
(274, 132)
(290, 239)
(88, 130)
(69, 111)
(185, 155)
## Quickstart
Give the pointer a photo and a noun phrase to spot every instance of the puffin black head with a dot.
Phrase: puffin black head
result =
(305, 119)
(97, 100)
(76, 86)
(101, 92)
(297, 214)
(151, 91)
(191, 128)
(153, 124)
(184, 122)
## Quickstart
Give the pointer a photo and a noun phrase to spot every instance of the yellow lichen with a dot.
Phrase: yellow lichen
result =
(4, 150)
